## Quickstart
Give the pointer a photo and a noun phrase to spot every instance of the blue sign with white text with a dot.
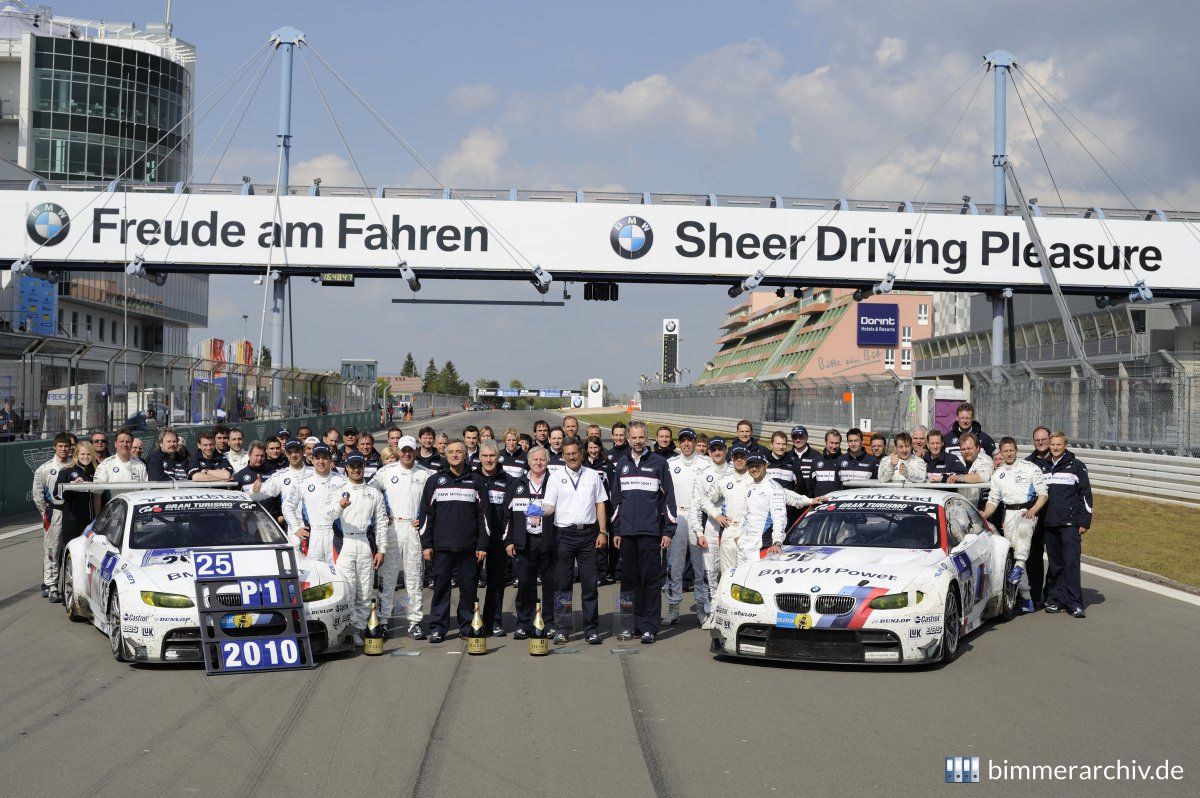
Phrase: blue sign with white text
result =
(878, 324)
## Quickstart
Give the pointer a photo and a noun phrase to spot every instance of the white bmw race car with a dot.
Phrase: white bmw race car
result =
(870, 576)
(132, 574)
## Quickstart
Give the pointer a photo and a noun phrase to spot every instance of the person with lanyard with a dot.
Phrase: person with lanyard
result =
(683, 467)
(360, 523)
(512, 459)
(402, 485)
(664, 445)
(940, 464)
(576, 498)
(620, 447)
(643, 524)
(271, 492)
(1035, 567)
(167, 462)
(304, 507)
(857, 464)
(496, 564)
(745, 438)
(366, 447)
(529, 541)
(825, 475)
(454, 538)
(804, 456)
(1020, 487)
(597, 459)
(78, 509)
(1067, 519)
(121, 467)
(207, 465)
(427, 455)
(237, 454)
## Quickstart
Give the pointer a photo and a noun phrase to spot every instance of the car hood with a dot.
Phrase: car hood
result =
(836, 567)
(172, 571)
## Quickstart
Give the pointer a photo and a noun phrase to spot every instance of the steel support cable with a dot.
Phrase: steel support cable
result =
(1036, 140)
(346, 144)
(1083, 190)
(1044, 92)
(509, 248)
(829, 215)
(236, 73)
(251, 90)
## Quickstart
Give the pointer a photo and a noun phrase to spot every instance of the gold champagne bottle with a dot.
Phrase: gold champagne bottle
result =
(373, 635)
(476, 642)
(538, 645)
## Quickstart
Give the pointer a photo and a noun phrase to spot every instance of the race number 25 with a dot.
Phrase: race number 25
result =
(246, 655)
(209, 564)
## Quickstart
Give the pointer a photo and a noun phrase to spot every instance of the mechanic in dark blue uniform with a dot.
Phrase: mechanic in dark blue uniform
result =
(938, 462)
(643, 523)
(824, 478)
(1068, 515)
(857, 464)
(209, 465)
(804, 457)
(965, 422)
(1035, 569)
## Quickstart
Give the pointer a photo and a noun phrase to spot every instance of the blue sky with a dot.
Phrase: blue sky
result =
(753, 98)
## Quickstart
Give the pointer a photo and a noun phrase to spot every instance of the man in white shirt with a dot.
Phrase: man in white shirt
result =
(576, 497)
(304, 507)
(402, 484)
(237, 454)
(683, 468)
(765, 508)
(979, 467)
(704, 530)
(121, 467)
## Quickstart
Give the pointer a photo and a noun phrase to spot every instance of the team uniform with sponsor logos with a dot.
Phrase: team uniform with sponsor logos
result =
(359, 530)
(454, 524)
(1017, 487)
(683, 472)
(764, 514)
(942, 465)
(955, 433)
(984, 467)
(164, 467)
(114, 469)
(722, 492)
(1035, 569)
(856, 468)
(825, 473)
(496, 563)
(533, 540)
(402, 489)
(238, 460)
(910, 470)
(643, 511)
(50, 507)
(1068, 508)
(513, 463)
(804, 460)
(304, 508)
(277, 486)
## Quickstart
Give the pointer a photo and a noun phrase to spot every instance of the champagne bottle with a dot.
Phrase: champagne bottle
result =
(538, 645)
(476, 642)
(373, 635)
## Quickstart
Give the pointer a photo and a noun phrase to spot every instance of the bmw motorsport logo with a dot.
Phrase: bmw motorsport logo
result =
(631, 237)
(47, 224)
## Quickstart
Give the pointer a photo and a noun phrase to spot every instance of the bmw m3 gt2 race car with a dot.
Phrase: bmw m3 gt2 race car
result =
(131, 573)
(870, 576)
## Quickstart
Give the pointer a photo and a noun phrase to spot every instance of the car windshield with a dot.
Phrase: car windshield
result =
(186, 524)
(877, 524)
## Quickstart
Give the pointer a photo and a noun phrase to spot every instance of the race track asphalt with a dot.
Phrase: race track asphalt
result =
(670, 720)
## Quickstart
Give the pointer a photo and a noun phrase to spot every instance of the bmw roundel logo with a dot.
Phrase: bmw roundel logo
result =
(576, 401)
(287, 480)
(677, 469)
(116, 469)
(594, 386)
(47, 224)
(441, 480)
(395, 480)
(670, 326)
(631, 237)
(624, 469)
(729, 486)
(709, 478)
(312, 488)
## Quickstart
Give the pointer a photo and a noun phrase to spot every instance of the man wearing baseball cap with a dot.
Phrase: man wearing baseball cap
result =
(304, 507)
(804, 456)
(683, 467)
(765, 509)
(271, 491)
(359, 518)
(705, 528)
(402, 484)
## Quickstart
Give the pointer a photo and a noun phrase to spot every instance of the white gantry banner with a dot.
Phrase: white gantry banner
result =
(598, 240)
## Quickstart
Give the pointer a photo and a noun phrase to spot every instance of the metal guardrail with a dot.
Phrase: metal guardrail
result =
(1165, 478)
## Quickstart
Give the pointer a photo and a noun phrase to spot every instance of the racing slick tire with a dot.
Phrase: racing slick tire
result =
(951, 626)
(115, 638)
(70, 600)
(1008, 594)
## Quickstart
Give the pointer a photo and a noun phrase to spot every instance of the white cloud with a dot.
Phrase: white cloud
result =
(891, 50)
(333, 169)
(476, 161)
(472, 98)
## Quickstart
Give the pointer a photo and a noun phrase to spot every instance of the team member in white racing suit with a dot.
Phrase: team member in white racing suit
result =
(764, 508)
(280, 484)
(1021, 487)
(402, 484)
(704, 528)
(358, 516)
(683, 468)
(304, 507)
(49, 507)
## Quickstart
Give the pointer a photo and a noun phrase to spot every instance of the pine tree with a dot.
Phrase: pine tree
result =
(431, 381)
(410, 367)
(449, 382)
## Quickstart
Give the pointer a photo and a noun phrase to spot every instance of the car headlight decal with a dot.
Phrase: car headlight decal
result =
(894, 601)
(170, 600)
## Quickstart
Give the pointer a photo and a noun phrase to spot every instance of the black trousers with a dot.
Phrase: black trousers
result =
(1063, 548)
(1035, 569)
(576, 545)
(462, 566)
(537, 559)
(642, 579)
(493, 597)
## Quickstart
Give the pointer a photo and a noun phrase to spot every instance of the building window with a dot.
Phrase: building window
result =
(135, 337)
(87, 325)
(102, 329)
(889, 358)
(922, 314)
(906, 336)
(906, 359)
(74, 324)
